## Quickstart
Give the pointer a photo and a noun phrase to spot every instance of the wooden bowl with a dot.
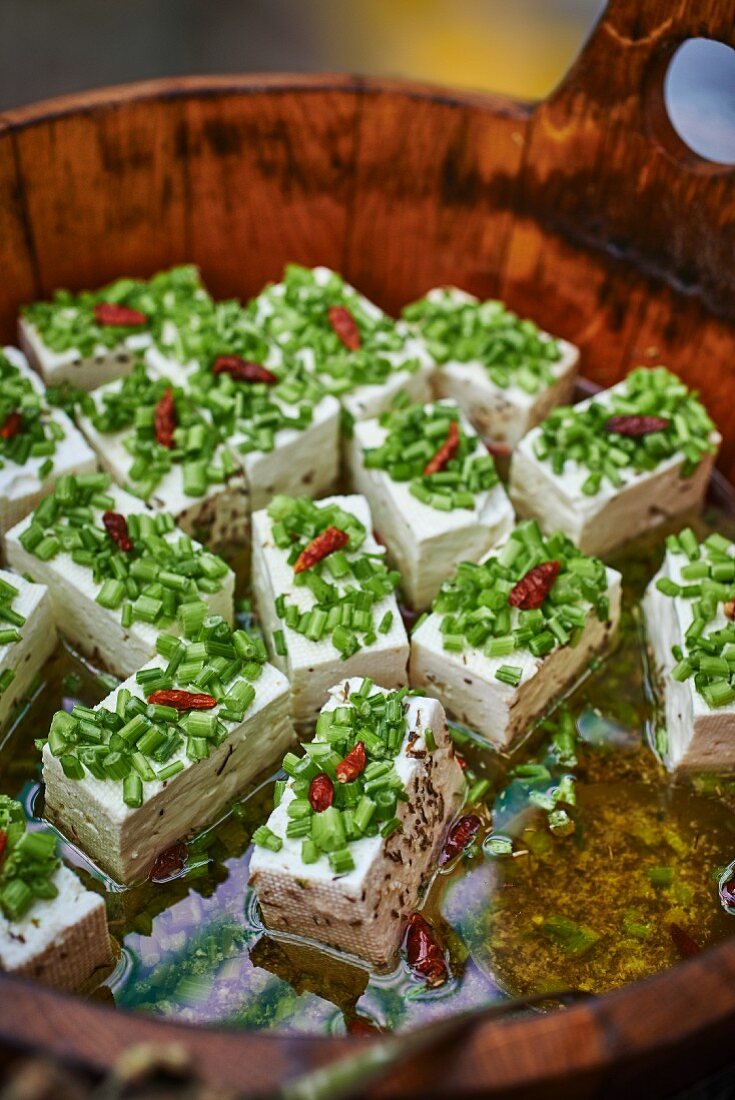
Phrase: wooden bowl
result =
(585, 212)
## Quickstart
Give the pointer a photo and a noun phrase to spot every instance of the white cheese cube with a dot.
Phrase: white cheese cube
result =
(23, 486)
(412, 367)
(220, 517)
(24, 658)
(700, 738)
(466, 684)
(125, 841)
(60, 942)
(87, 372)
(502, 414)
(363, 911)
(312, 667)
(97, 631)
(424, 543)
(302, 463)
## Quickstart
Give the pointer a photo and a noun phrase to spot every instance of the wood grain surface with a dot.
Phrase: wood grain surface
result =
(585, 212)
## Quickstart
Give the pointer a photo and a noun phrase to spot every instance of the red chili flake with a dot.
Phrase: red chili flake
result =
(242, 370)
(446, 452)
(345, 325)
(353, 764)
(534, 587)
(424, 955)
(182, 700)
(165, 419)
(168, 864)
(117, 528)
(459, 837)
(321, 547)
(321, 793)
(636, 425)
(361, 1025)
(683, 942)
(12, 425)
(110, 313)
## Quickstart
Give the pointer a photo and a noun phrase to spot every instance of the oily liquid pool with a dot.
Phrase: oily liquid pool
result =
(527, 910)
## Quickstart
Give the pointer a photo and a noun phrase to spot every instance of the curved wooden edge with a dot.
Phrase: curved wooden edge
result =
(167, 88)
(607, 1039)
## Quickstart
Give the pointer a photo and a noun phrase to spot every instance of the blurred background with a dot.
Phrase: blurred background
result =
(49, 47)
(521, 48)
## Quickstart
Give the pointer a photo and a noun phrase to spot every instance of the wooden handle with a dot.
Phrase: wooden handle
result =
(633, 36)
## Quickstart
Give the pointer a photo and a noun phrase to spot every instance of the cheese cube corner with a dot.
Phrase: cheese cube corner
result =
(362, 910)
(22, 656)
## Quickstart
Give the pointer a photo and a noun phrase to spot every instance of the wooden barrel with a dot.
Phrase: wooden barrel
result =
(585, 212)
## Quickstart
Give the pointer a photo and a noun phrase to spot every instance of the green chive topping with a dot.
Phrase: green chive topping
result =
(172, 300)
(366, 806)
(137, 742)
(27, 431)
(703, 575)
(11, 621)
(579, 436)
(458, 328)
(414, 434)
(346, 587)
(161, 574)
(29, 862)
(476, 613)
(294, 315)
(129, 407)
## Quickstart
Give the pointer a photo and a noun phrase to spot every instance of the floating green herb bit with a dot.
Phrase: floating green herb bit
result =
(26, 429)
(414, 436)
(184, 705)
(168, 301)
(129, 406)
(702, 575)
(295, 315)
(459, 328)
(346, 585)
(143, 569)
(476, 610)
(251, 414)
(28, 862)
(367, 732)
(573, 939)
(581, 435)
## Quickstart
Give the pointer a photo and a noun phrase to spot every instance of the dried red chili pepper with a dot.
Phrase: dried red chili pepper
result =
(446, 452)
(460, 834)
(636, 425)
(12, 425)
(117, 528)
(3, 843)
(243, 370)
(683, 942)
(182, 700)
(321, 793)
(353, 764)
(168, 864)
(361, 1025)
(533, 588)
(165, 419)
(110, 313)
(321, 547)
(729, 609)
(345, 325)
(423, 953)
